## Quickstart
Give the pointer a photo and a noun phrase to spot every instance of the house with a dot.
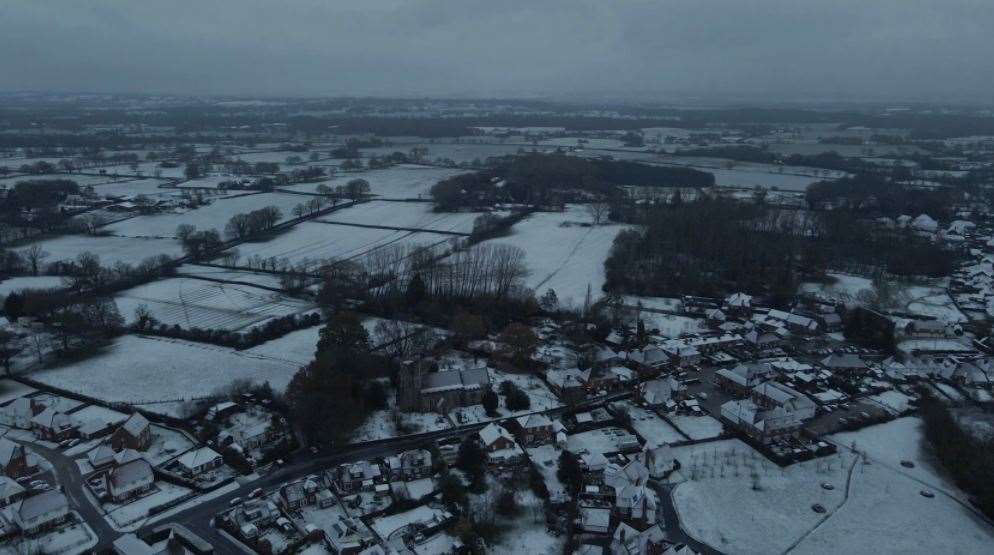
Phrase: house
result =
(618, 476)
(796, 323)
(738, 305)
(14, 461)
(630, 541)
(53, 425)
(135, 433)
(10, 491)
(636, 502)
(198, 461)
(222, 410)
(20, 412)
(499, 445)
(347, 535)
(846, 364)
(536, 429)
(298, 494)
(415, 464)
(741, 379)
(660, 392)
(42, 512)
(773, 411)
(129, 480)
(349, 478)
(100, 456)
(569, 384)
(594, 520)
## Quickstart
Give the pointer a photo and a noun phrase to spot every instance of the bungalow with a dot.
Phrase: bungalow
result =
(14, 461)
(415, 464)
(42, 512)
(129, 480)
(499, 445)
(198, 461)
(846, 364)
(135, 433)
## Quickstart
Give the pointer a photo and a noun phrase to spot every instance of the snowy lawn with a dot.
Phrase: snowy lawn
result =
(563, 255)
(546, 459)
(527, 532)
(211, 216)
(140, 370)
(137, 510)
(193, 303)
(651, 428)
(539, 395)
(601, 440)
(110, 249)
(697, 427)
(672, 326)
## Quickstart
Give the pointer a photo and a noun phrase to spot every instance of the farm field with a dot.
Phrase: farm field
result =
(458, 153)
(313, 242)
(110, 249)
(10, 285)
(139, 370)
(132, 187)
(214, 215)
(261, 279)
(563, 255)
(203, 304)
(404, 214)
(82, 180)
(404, 181)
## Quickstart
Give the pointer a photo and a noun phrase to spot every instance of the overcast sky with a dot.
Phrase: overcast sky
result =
(776, 49)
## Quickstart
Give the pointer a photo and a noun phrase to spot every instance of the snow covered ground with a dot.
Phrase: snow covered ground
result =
(262, 279)
(737, 501)
(314, 242)
(417, 215)
(697, 427)
(203, 304)
(404, 181)
(10, 285)
(653, 429)
(673, 326)
(141, 370)
(132, 513)
(562, 255)
(211, 216)
(924, 300)
(110, 249)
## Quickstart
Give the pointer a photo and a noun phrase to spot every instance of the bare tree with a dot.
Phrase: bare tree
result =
(598, 211)
(35, 255)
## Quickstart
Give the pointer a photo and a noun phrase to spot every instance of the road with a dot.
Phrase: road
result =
(667, 518)
(69, 477)
(198, 518)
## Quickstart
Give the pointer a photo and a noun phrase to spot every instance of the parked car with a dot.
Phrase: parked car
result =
(235, 502)
(257, 492)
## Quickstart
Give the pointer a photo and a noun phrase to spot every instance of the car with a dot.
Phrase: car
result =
(314, 450)
(38, 483)
(24, 480)
(926, 493)
(257, 492)
(818, 508)
(64, 443)
(73, 442)
(827, 485)
(235, 502)
(907, 464)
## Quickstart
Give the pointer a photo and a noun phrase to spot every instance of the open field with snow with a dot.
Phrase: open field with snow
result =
(138, 370)
(196, 303)
(212, 216)
(563, 256)
(262, 279)
(110, 249)
(404, 181)
(314, 242)
(10, 285)
(923, 300)
(404, 214)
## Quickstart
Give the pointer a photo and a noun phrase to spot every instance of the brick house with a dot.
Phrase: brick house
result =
(135, 433)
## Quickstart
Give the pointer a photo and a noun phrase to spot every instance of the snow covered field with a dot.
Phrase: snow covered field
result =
(147, 187)
(404, 181)
(924, 300)
(313, 242)
(212, 216)
(110, 249)
(404, 214)
(261, 279)
(203, 304)
(737, 501)
(567, 258)
(10, 285)
(138, 370)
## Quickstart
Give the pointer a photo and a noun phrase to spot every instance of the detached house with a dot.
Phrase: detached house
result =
(129, 480)
(198, 461)
(349, 478)
(135, 433)
(536, 429)
(20, 412)
(14, 459)
(499, 445)
(42, 512)
(660, 393)
(53, 425)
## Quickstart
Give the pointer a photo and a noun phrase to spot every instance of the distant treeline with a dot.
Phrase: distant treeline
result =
(545, 178)
(876, 195)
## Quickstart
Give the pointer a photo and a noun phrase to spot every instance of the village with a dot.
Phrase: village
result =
(514, 383)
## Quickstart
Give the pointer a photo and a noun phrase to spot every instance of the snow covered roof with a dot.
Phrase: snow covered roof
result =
(492, 432)
(135, 425)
